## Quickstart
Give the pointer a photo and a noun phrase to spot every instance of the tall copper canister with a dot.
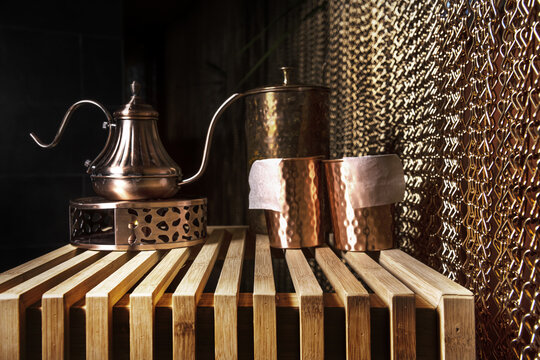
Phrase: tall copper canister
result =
(288, 120)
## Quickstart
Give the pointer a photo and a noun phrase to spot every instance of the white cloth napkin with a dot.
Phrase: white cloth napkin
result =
(265, 185)
(373, 180)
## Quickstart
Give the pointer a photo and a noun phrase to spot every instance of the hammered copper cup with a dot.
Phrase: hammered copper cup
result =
(365, 229)
(299, 224)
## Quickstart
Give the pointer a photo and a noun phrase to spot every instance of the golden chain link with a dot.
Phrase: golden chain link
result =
(453, 88)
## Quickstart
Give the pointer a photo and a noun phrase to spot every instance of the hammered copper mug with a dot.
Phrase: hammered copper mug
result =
(300, 223)
(363, 229)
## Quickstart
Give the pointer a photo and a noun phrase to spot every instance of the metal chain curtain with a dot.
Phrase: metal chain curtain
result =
(453, 88)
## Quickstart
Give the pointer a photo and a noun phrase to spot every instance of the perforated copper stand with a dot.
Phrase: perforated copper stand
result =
(100, 224)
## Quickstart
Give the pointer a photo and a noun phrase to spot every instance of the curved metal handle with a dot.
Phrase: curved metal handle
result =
(208, 142)
(64, 123)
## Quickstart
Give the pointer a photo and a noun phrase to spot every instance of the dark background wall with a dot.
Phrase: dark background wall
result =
(194, 55)
(188, 55)
(51, 55)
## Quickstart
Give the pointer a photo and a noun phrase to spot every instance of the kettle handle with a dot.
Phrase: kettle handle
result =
(209, 134)
(64, 123)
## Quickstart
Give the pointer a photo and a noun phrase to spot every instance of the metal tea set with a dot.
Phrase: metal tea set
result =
(138, 206)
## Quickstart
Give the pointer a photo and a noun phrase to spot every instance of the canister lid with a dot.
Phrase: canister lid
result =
(289, 84)
(136, 108)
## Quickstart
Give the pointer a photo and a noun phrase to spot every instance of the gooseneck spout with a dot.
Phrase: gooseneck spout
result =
(63, 124)
(209, 134)
(65, 121)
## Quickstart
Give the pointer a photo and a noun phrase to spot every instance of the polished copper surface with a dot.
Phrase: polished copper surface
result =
(135, 187)
(135, 166)
(364, 229)
(96, 223)
(285, 121)
(96, 202)
(300, 224)
(288, 124)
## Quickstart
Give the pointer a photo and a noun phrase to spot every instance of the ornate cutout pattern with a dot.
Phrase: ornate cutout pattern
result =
(85, 223)
(166, 225)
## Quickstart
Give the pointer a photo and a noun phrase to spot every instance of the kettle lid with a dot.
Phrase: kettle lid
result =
(136, 108)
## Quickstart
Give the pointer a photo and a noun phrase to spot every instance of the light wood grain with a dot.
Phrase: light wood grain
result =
(457, 333)
(288, 331)
(454, 303)
(226, 299)
(187, 294)
(36, 266)
(399, 299)
(264, 303)
(419, 277)
(15, 300)
(311, 309)
(100, 300)
(55, 303)
(356, 302)
(144, 298)
(283, 300)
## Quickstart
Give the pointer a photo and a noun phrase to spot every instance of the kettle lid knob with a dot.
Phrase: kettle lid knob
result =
(136, 108)
(135, 88)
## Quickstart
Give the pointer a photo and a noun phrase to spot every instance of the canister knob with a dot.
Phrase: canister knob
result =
(287, 74)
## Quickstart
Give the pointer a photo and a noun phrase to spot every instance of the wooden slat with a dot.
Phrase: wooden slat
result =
(187, 294)
(226, 299)
(264, 303)
(36, 266)
(287, 332)
(311, 305)
(356, 302)
(457, 333)
(144, 298)
(55, 303)
(419, 277)
(15, 300)
(455, 304)
(283, 300)
(399, 299)
(100, 300)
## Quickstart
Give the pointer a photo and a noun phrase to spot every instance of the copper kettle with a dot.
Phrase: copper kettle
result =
(133, 164)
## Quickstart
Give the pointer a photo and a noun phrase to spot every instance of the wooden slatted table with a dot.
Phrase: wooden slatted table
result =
(231, 298)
